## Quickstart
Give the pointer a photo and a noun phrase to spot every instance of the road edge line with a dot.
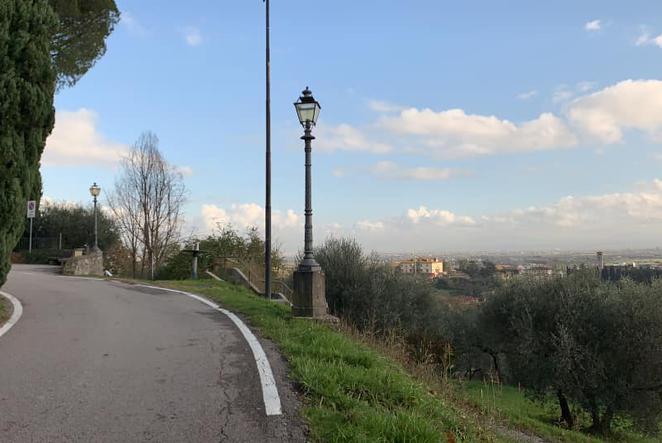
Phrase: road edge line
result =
(272, 403)
(16, 314)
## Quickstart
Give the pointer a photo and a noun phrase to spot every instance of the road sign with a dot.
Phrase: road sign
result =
(32, 209)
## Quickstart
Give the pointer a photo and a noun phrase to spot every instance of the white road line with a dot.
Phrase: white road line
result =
(270, 395)
(16, 314)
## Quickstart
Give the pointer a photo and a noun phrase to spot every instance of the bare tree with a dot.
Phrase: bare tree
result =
(147, 202)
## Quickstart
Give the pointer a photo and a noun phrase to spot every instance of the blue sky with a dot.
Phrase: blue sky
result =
(475, 125)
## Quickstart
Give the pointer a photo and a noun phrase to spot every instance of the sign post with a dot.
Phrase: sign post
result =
(32, 210)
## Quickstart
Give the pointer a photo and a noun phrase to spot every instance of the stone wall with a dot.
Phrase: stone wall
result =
(90, 264)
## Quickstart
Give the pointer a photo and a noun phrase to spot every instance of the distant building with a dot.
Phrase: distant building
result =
(537, 271)
(601, 260)
(426, 266)
(506, 272)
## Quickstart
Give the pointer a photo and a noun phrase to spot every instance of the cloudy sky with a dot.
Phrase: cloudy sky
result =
(474, 125)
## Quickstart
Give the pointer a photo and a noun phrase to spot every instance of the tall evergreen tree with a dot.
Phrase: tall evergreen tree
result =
(27, 86)
(44, 44)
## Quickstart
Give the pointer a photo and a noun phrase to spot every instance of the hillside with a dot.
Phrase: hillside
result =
(359, 389)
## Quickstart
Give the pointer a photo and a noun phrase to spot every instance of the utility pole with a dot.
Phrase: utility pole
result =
(267, 206)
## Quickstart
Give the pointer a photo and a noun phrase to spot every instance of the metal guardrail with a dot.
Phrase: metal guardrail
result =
(254, 272)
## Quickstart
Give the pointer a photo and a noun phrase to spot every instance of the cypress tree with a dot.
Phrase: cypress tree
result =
(27, 86)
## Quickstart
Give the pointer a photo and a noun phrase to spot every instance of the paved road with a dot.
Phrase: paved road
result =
(98, 361)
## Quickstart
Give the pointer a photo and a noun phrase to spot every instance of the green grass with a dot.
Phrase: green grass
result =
(510, 405)
(352, 393)
(4, 310)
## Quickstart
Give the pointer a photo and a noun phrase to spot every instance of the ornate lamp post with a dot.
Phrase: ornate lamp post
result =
(95, 190)
(309, 299)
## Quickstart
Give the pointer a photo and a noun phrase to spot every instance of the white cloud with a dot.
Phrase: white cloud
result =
(588, 212)
(643, 39)
(646, 38)
(345, 137)
(186, 171)
(630, 104)
(603, 115)
(562, 93)
(594, 25)
(367, 225)
(527, 95)
(131, 23)
(192, 36)
(438, 217)
(246, 215)
(383, 106)
(628, 218)
(389, 170)
(454, 133)
(620, 219)
(585, 86)
(76, 141)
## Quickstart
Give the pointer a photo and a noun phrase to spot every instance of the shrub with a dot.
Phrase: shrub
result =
(374, 297)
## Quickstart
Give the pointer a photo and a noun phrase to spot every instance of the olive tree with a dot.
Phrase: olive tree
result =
(591, 343)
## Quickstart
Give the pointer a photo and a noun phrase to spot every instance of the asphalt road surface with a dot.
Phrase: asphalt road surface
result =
(99, 361)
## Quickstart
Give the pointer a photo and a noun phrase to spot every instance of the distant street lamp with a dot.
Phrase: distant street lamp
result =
(309, 299)
(95, 190)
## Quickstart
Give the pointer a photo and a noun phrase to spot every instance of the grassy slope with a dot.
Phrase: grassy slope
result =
(352, 394)
(509, 404)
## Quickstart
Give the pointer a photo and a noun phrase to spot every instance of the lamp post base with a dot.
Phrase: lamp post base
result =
(309, 298)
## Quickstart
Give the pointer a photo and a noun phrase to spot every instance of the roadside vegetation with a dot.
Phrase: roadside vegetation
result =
(60, 227)
(511, 406)
(352, 392)
(562, 359)
(5, 310)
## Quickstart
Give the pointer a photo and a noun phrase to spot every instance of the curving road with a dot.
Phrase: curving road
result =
(99, 361)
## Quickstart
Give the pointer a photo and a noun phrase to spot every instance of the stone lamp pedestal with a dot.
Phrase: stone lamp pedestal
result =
(309, 298)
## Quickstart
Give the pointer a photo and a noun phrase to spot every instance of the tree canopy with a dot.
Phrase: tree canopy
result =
(76, 225)
(79, 40)
(592, 343)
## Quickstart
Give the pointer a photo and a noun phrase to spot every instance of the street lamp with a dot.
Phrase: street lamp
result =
(309, 299)
(95, 190)
(308, 110)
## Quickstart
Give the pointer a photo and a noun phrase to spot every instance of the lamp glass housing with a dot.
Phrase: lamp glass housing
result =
(308, 109)
(308, 112)
(95, 190)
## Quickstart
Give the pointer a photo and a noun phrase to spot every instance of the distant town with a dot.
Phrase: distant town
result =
(473, 276)
(523, 263)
